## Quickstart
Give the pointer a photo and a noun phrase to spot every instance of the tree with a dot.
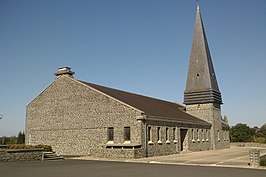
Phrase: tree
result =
(21, 138)
(262, 131)
(261, 134)
(241, 133)
(225, 119)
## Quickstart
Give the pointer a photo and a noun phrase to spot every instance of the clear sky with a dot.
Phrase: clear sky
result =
(140, 46)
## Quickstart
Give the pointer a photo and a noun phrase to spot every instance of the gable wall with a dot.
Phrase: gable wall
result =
(73, 118)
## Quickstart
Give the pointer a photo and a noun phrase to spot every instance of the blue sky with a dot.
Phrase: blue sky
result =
(140, 46)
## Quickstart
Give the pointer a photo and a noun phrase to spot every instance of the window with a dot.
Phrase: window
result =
(158, 133)
(149, 135)
(207, 135)
(218, 135)
(198, 135)
(174, 134)
(167, 133)
(203, 135)
(127, 133)
(193, 136)
(110, 134)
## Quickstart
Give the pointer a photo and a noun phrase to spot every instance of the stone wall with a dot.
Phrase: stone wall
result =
(172, 144)
(20, 155)
(238, 144)
(73, 118)
(211, 114)
(118, 153)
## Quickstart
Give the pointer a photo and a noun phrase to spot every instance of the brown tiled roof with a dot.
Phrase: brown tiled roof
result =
(150, 106)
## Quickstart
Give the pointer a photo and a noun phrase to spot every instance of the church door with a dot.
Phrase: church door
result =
(183, 139)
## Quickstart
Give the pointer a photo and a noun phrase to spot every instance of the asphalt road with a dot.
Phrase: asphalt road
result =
(82, 168)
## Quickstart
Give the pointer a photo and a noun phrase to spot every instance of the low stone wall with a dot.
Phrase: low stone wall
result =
(18, 155)
(118, 153)
(248, 145)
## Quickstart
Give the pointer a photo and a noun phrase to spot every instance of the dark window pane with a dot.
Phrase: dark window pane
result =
(110, 133)
(174, 134)
(166, 134)
(149, 133)
(158, 133)
(127, 133)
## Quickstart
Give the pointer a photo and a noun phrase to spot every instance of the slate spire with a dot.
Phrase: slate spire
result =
(201, 84)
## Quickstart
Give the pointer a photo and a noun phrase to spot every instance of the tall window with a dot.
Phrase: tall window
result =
(167, 133)
(110, 134)
(198, 135)
(203, 135)
(149, 134)
(207, 135)
(127, 133)
(193, 134)
(158, 133)
(174, 134)
(218, 135)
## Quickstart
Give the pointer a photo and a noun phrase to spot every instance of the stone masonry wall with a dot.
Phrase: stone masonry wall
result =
(118, 153)
(173, 145)
(20, 155)
(211, 114)
(74, 118)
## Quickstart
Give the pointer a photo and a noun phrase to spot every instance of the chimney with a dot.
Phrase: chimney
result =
(64, 71)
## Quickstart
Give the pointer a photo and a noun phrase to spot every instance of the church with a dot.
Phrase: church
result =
(79, 118)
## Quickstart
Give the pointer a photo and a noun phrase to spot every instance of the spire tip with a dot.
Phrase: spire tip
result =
(198, 5)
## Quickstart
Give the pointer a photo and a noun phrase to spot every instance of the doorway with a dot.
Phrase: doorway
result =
(184, 139)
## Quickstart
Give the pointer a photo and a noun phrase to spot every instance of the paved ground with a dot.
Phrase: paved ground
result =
(233, 157)
(87, 168)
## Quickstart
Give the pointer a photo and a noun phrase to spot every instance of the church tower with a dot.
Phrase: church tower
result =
(202, 95)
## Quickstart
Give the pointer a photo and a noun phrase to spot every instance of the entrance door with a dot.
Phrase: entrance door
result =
(183, 138)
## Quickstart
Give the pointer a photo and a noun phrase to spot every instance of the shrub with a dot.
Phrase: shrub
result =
(23, 146)
(260, 140)
(263, 162)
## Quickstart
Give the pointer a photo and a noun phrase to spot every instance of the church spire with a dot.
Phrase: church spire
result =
(201, 85)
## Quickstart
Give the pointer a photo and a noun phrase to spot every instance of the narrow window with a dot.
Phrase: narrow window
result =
(167, 133)
(198, 135)
(149, 134)
(158, 133)
(127, 133)
(207, 135)
(193, 136)
(174, 134)
(218, 135)
(110, 134)
(203, 135)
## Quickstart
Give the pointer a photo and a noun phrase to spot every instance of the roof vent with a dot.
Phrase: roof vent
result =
(64, 71)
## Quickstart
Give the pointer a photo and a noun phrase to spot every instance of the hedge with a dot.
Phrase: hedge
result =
(23, 146)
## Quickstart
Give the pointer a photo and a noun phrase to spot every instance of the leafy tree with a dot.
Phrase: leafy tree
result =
(262, 131)
(21, 138)
(8, 140)
(241, 133)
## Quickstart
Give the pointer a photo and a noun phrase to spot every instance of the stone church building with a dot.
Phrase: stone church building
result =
(81, 118)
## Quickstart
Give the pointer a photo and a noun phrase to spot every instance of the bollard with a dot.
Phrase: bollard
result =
(254, 157)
